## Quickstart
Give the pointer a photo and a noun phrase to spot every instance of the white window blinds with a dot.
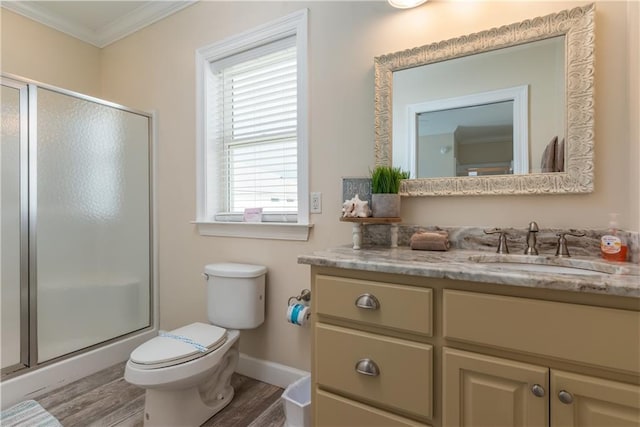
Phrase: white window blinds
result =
(254, 127)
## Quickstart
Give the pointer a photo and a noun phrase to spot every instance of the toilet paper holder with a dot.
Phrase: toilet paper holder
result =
(305, 296)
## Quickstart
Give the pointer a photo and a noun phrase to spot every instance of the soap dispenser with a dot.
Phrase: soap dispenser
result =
(613, 245)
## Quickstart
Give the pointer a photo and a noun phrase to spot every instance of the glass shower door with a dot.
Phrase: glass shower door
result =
(92, 223)
(13, 296)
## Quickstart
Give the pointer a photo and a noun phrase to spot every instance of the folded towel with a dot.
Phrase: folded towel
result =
(548, 162)
(559, 166)
(430, 241)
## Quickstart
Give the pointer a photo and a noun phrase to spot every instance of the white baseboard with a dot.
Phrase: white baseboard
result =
(268, 372)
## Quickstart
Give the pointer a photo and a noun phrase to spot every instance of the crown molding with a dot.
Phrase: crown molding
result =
(146, 14)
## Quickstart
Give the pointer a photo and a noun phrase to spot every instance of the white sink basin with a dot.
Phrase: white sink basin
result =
(520, 266)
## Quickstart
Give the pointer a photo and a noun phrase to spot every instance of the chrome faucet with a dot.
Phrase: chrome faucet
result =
(531, 239)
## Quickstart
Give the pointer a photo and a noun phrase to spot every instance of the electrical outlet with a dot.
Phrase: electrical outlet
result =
(316, 203)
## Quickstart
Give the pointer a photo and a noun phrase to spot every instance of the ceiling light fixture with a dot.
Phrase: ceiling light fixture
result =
(406, 4)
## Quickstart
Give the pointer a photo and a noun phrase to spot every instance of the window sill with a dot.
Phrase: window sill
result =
(255, 230)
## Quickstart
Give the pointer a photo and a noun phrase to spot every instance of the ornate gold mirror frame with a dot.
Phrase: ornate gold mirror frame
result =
(577, 25)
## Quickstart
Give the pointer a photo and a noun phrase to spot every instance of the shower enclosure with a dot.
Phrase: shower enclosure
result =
(76, 224)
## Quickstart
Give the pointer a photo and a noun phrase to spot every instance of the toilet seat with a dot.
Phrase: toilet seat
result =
(178, 346)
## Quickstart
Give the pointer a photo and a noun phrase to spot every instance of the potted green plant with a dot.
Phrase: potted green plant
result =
(385, 185)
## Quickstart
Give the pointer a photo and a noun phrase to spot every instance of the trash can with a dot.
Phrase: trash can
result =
(297, 403)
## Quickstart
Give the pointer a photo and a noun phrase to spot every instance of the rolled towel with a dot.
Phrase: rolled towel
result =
(430, 241)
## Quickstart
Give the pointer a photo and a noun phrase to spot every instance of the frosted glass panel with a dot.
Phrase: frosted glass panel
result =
(92, 223)
(10, 295)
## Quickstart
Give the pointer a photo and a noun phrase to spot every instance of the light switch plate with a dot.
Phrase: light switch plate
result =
(316, 202)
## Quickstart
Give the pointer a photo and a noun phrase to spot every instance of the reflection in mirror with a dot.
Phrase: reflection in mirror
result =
(536, 69)
(466, 141)
(551, 57)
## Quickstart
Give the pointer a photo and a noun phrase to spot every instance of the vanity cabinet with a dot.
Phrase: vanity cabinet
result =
(403, 350)
(370, 367)
(475, 385)
(531, 394)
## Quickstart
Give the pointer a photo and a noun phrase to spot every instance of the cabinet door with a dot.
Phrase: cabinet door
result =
(481, 390)
(579, 400)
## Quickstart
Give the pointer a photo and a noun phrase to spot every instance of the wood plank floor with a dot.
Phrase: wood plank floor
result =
(105, 399)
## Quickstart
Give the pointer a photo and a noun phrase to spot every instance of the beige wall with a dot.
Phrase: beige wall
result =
(36, 52)
(154, 70)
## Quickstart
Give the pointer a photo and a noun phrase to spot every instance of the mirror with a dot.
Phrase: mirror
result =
(476, 115)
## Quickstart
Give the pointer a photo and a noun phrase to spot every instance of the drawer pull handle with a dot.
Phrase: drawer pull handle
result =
(565, 397)
(537, 390)
(368, 302)
(367, 367)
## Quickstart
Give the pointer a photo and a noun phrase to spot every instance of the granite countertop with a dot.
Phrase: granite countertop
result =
(607, 278)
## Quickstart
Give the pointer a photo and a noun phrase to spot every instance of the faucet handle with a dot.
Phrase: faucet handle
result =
(563, 249)
(493, 231)
(502, 239)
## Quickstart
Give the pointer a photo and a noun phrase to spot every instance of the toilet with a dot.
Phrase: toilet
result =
(187, 371)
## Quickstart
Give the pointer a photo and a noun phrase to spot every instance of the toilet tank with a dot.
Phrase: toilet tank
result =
(235, 295)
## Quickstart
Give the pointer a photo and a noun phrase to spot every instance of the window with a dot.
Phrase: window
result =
(253, 116)
(252, 132)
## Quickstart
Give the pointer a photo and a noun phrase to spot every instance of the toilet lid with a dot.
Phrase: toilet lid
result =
(179, 346)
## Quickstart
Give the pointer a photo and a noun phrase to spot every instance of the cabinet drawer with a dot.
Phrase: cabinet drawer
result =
(405, 308)
(404, 381)
(336, 411)
(592, 335)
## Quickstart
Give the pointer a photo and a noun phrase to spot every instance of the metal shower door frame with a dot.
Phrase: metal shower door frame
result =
(28, 90)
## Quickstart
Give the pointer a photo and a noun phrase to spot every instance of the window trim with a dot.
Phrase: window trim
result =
(294, 24)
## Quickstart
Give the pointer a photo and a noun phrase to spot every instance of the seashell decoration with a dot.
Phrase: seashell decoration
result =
(355, 208)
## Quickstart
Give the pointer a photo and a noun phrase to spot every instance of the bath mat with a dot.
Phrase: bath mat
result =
(27, 414)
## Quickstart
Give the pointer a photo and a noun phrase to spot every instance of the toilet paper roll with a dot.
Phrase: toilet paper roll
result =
(297, 314)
